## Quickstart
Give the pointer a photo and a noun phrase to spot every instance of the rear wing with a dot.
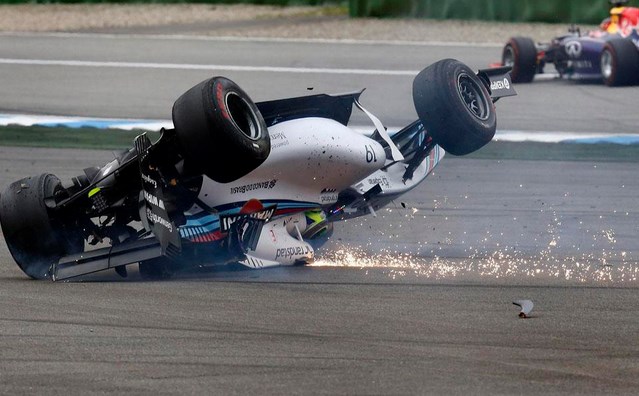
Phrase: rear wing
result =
(498, 82)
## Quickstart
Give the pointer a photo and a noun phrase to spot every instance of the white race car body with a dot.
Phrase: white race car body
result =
(311, 161)
(309, 156)
(234, 181)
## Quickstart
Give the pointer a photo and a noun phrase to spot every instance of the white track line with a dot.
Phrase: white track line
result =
(186, 66)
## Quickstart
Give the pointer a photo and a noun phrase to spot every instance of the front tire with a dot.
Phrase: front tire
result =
(221, 131)
(619, 63)
(454, 106)
(34, 239)
(520, 53)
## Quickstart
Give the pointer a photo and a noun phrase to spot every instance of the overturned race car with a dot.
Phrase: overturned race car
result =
(610, 53)
(239, 182)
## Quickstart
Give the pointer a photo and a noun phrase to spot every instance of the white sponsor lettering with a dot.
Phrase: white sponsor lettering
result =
(582, 64)
(156, 219)
(573, 49)
(499, 84)
(153, 200)
(147, 179)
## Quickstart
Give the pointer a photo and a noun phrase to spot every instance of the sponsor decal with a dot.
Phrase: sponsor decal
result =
(219, 94)
(149, 180)
(382, 181)
(153, 200)
(582, 64)
(370, 154)
(499, 84)
(290, 252)
(157, 219)
(573, 49)
(328, 195)
(94, 191)
(265, 214)
(278, 136)
(265, 185)
(279, 144)
(278, 140)
(328, 198)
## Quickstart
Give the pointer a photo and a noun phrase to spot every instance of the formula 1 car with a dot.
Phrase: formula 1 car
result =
(239, 182)
(610, 54)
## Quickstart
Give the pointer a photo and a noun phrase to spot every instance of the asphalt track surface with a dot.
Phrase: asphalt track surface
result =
(416, 300)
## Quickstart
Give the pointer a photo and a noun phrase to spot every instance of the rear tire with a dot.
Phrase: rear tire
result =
(520, 53)
(33, 238)
(620, 63)
(454, 106)
(221, 131)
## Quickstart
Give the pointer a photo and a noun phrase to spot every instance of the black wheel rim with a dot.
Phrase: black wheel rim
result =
(472, 96)
(508, 58)
(243, 116)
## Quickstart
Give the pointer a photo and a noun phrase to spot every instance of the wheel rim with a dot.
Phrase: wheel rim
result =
(242, 116)
(473, 97)
(509, 56)
(606, 64)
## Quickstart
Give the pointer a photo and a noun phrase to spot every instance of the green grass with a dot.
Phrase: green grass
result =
(59, 137)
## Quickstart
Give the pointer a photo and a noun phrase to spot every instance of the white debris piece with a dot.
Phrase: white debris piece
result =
(526, 306)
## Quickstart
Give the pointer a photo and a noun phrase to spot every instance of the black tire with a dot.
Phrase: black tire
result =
(520, 53)
(34, 239)
(620, 63)
(454, 106)
(220, 129)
